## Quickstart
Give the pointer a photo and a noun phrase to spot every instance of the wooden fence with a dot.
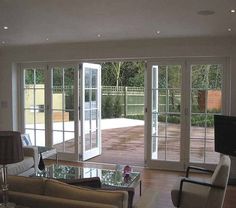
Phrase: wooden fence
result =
(131, 98)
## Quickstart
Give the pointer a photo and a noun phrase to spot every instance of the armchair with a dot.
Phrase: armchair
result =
(192, 192)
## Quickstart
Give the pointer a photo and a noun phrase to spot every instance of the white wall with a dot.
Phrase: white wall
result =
(158, 48)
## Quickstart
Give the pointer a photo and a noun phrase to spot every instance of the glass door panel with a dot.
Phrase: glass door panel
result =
(34, 104)
(63, 125)
(206, 100)
(90, 113)
(166, 101)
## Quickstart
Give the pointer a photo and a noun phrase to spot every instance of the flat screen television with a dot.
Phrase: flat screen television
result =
(225, 134)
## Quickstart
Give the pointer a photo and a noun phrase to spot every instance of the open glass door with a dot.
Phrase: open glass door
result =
(90, 110)
(165, 112)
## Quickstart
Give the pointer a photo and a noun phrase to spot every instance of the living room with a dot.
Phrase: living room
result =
(157, 32)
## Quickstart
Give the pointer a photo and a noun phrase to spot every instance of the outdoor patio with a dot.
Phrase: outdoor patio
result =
(123, 143)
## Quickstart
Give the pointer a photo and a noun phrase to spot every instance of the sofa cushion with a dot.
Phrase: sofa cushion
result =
(33, 185)
(20, 167)
(42, 201)
(62, 190)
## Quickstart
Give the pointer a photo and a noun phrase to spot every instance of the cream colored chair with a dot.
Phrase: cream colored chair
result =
(198, 193)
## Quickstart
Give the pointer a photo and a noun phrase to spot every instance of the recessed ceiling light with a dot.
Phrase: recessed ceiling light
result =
(229, 29)
(232, 10)
(99, 35)
(3, 42)
(5, 27)
(206, 12)
(47, 39)
(158, 32)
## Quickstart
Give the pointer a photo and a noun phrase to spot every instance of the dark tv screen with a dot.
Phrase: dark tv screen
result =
(225, 134)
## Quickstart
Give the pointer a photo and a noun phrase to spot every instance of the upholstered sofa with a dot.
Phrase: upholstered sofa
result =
(26, 167)
(37, 192)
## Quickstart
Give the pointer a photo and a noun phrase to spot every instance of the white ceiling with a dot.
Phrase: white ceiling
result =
(33, 21)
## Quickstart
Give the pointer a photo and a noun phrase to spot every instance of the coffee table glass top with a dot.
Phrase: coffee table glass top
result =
(107, 177)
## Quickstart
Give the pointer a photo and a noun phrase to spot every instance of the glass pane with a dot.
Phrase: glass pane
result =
(88, 143)
(40, 137)
(69, 78)
(29, 76)
(94, 74)
(162, 101)
(69, 99)
(173, 149)
(94, 139)
(173, 126)
(94, 98)
(214, 101)
(197, 150)
(174, 100)
(206, 100)
(161, 148)
(69, 124)
(199, 76)
(39, 98)
(58, 140)
(154, 100)
(57, 99)
(57, 77)
(87, 98)
(40, 120)
(215, 76)
(154, 124)
(39, 79)
(197, 132)
(29, 118)
(162, 77)
(31, 135)
(70, 142)
(154, 144)
(174, 76)
(211, 155)
(57, 119)
(198, 120)
(162, 125)
(198, 101)
(88, 79)
(29, 98)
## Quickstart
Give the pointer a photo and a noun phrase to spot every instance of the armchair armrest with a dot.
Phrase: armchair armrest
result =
(201, 183)
(197, 168)
(32, 151)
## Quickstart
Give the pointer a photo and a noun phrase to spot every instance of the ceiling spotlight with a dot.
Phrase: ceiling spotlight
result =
(5, 28)
(47, 39)
(3, 42)
(99, 35)
(229, 29)
(232, 10)
(158, 32)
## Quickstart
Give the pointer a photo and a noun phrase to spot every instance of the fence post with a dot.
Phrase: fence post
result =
(125, 101)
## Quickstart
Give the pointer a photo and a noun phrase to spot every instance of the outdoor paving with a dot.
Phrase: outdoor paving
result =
(123, 143)
(122, 146)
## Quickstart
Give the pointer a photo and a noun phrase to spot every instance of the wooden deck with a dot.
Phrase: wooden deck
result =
(126, 146)
(122, 146)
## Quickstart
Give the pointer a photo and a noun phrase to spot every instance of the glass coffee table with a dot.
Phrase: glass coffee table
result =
(112, 179)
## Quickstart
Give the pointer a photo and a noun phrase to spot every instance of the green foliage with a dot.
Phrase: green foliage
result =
(107, 106)
(138, 117)
(111, 107)
(123, 73)
(34, 76)
(117, 110)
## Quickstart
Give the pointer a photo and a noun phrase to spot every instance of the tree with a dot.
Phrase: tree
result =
(116, 71)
